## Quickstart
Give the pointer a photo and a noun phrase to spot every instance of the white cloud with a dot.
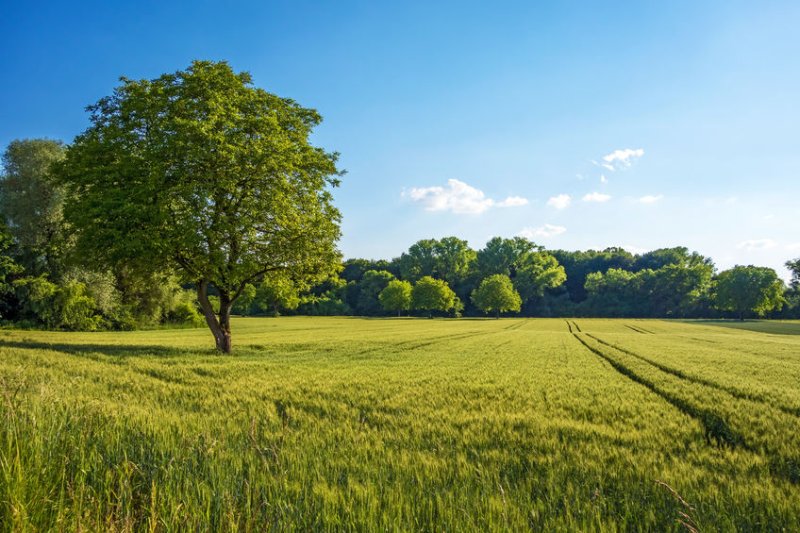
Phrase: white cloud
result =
(756, 244)
(650, 199)
(603, 178)
(513, 201)
(596, 197)
(793, 247)
(635, 250)
(561, 201)
(548, 230)
(458, 197)
(620, 159)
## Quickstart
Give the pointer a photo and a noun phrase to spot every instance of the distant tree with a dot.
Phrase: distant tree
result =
(244, 303)
(276, 292)
(679, 256)
(578, 265)
(531, 269)
(749, 289)
(496, 294)
(368, 290)
(431, 294)
(31, 204)
(793, 291)
(9, 271)
(449, 258)
(354, 269)
(396, 297)
(794, 268)
(616, 293)
(200, 172)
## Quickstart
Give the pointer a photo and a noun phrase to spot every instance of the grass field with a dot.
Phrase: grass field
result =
(403, 424)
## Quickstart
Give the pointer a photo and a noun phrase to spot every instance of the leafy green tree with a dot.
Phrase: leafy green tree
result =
(449, 258)
(431, 294)
(396, 296)
(616, 292)
(368, 291)
(277, 292)
(794, 268)
(530, 268)
(32, 204)
(9, 270)
(496, 294)
(578, 265)
(244, 303)
(202, 173)
(749, 289)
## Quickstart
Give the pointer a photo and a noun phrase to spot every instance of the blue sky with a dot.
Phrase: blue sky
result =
(579, 124)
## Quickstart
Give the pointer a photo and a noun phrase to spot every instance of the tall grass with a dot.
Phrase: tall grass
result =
(348, 424)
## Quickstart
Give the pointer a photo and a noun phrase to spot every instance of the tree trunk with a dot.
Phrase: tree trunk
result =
(497, 314)
(220, 326)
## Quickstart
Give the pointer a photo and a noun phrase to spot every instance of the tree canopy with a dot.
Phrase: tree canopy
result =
(431, 294)
(749, 289)
(31, 203)
(396, 296)
(202, 173)
(496, 294)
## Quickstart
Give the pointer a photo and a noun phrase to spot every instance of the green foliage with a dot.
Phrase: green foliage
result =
(530, 268)
(496, 294)
(31, 204)
(749, 289)
(67, 306)
(449, 425)
(431, 294)
(449, 259)
(364, 293)
(276, 292)
(204, 174)
(396, 296)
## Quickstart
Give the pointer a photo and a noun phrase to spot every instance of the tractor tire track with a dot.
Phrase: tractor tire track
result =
(736, 393)
(717, 431)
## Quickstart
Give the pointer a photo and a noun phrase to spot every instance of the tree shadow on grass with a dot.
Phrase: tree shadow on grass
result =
(110, 350)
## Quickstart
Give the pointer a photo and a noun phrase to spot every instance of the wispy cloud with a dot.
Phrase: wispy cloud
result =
(620, 159)
(458, 197)
(548, 230)
(596, 197)
(603, 178)
(756, 244)
(793, 247)
(561, 201)
(650, 199)
(513, 201)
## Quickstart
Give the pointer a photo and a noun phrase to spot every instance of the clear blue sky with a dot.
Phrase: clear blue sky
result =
(580, 124)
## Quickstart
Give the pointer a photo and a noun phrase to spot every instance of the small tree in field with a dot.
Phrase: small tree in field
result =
(749, 289)
(431, 294)
(396, 296)
(496, 294)
(201, 173)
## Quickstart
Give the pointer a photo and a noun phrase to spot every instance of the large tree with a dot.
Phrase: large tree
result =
(530, 268)
(396, 296)
(201, 172)
(32, 204)
(496, 294)
(749, 289)
(431, 294)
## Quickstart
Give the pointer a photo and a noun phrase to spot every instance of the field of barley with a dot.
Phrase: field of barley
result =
(404, 424)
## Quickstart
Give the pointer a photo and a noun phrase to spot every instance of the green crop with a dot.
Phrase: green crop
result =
(403, 424)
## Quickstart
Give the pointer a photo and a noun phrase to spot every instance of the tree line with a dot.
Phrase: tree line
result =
(42, 284)
(195, 195)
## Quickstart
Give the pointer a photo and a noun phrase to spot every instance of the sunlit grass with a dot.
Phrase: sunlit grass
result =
(401, 424)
